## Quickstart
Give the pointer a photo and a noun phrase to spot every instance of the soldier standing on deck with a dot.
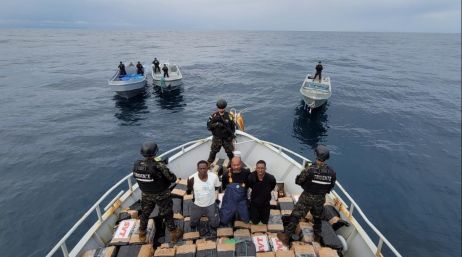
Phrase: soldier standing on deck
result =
(154, 179)
(316, 180)
(223, 127)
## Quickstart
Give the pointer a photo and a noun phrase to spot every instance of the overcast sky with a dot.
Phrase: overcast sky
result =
(298, 15)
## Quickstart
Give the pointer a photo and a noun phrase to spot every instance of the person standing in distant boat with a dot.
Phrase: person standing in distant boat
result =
(122, 71)
(156, 65)
(165, 70)
(318, 71)
(316, 180)
(139, 68)
(222, 126)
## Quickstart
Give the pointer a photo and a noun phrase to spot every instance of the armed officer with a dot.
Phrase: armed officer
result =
(316, 180)
(154, 179)
(318, 71)
(223, 128)
(156, 65)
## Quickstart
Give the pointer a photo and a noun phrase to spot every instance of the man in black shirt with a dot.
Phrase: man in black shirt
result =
(156, 65)
(235, 185)
(139, 69)
(165, 70)
(318, 71)
(122, 71)
(262, 184)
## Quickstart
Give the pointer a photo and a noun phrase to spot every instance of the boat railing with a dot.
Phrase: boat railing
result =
(352, 207)
(96, 208)
(182, 148)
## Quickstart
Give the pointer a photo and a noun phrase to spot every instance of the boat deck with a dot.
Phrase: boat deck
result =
(258, 240)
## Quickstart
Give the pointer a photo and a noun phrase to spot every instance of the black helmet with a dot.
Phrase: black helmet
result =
(322, 153)
(149, 149)
(221, 103)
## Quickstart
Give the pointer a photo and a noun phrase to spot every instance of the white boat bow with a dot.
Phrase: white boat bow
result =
(283, 163)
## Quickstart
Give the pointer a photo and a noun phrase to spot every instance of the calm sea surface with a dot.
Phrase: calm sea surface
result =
(393, 122)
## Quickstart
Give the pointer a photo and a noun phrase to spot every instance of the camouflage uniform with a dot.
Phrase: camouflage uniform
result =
(307, 203)
(148, 203)
(154, 179)
(223, 128)
(317, 180)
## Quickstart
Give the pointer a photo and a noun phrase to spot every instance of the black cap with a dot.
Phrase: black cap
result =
(322, 153)
(149, 149)
(221, 103)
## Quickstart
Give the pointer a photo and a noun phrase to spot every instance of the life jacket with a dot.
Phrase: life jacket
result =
(150, 179)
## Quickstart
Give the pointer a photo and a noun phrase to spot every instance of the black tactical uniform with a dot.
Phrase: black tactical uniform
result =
(154, 179)
(223, 128)
(316, 180)
(156, 65)
(318, 71)
(122, 71)
(139, 68)
(165, 70)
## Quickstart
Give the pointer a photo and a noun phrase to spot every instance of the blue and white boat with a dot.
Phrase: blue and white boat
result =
(315, 92)
(129, 85)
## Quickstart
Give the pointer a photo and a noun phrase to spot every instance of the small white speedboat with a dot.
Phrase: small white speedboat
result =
(315, 92)
(172, 82)
(283, 163)
(128, 85)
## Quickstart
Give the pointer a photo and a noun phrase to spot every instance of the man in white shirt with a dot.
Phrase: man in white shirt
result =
(204, 185)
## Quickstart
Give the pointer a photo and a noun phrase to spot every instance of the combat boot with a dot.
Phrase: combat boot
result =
(284, 238)
(176, 234)
(142, 235)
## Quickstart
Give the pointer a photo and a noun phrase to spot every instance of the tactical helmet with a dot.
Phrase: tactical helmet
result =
(149, 149)
(322, 153)
(221, 103)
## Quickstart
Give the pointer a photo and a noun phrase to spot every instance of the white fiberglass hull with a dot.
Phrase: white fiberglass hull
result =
(173, 81)
(129, 88)
(315, 93)
(284, 164)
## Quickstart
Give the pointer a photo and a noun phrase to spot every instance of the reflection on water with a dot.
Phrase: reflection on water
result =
(132, 110)
(170, 99)
(311, 128)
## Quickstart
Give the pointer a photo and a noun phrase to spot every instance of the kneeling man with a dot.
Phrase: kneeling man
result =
(261, 183)
(204, 185)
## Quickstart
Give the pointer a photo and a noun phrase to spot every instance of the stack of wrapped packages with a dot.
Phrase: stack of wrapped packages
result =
(242, 240)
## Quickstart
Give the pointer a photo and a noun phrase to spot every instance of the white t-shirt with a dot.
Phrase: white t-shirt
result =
(204, 192)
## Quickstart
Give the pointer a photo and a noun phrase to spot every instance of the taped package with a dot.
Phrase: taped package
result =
(135, 251)
(123, 232)
(150, 231)
(180, 188)
(276, 244)
(186, 250)
(258, 228)
(261, 243)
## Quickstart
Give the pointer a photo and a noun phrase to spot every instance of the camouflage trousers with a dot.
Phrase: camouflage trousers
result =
(165, 203)
(307, 203)
(217, 143)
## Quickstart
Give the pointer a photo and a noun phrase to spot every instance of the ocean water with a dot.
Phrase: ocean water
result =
(393, 122)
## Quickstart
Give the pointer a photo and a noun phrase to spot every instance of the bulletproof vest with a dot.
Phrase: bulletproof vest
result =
(227, 130)
(149, 177)
(320, 181)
